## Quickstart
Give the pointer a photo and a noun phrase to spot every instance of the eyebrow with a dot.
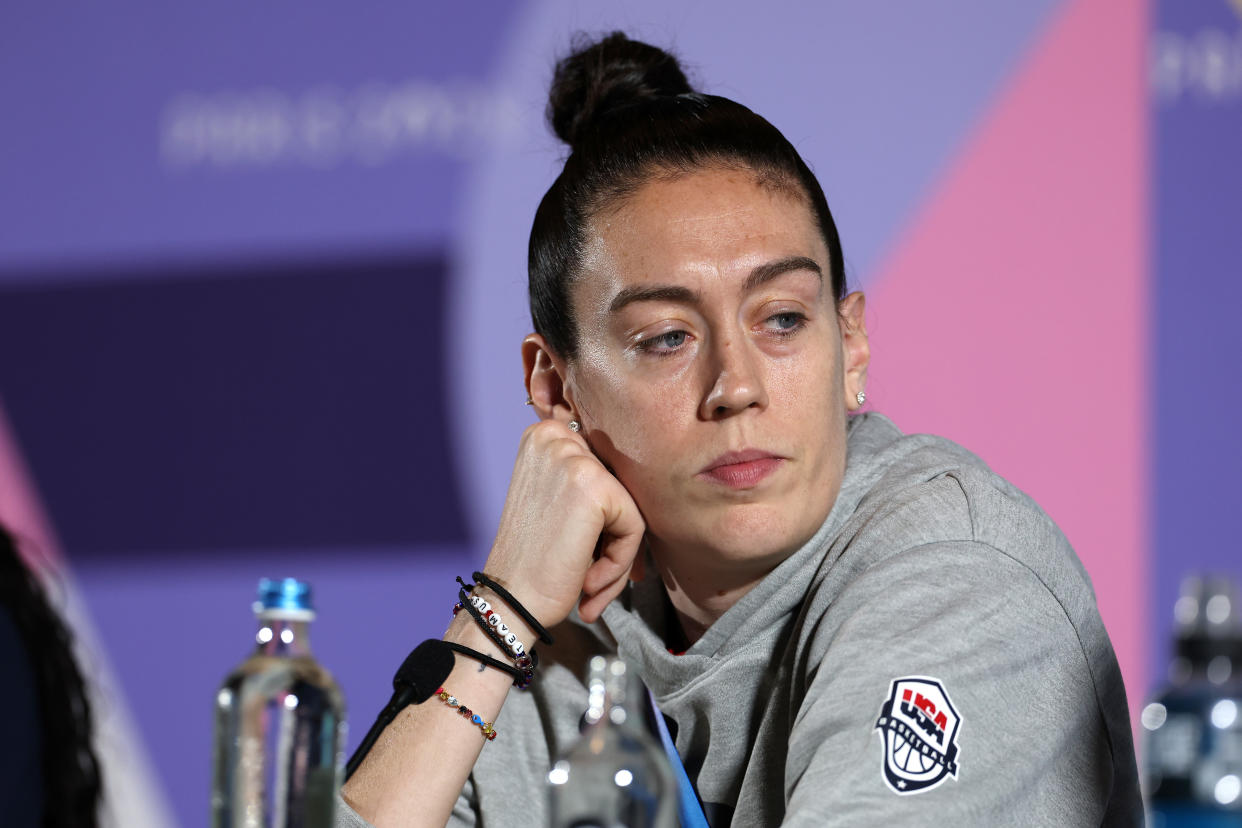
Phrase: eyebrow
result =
(765, 273)
(762, 274)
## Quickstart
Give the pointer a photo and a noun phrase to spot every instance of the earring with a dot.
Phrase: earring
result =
(860, 398)
(575, 426)
(529, 401)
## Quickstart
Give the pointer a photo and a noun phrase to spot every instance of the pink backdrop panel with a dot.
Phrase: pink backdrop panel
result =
(1011, 314)
(20, 510)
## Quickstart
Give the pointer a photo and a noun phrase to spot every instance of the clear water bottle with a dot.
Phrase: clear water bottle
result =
(280, 724)
(616, 774)
(1192, 729)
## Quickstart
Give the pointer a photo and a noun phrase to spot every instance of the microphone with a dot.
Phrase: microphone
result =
(417, 679)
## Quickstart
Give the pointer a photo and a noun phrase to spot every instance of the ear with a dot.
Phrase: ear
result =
(545, 380)
(855, 350)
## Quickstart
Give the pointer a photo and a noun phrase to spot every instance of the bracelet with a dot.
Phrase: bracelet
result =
(497, 629)
(507, 638)
(493, 618)
(525, 663)
(452, 702)
(519, 678)
(543, 634)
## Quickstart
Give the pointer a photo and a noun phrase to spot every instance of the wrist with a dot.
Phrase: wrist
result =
(541, 598)
(466, 631)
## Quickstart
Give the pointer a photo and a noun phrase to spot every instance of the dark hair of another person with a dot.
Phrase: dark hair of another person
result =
(629, 115)
(70, 772)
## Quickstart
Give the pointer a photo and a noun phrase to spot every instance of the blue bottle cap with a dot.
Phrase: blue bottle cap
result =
(287, 597)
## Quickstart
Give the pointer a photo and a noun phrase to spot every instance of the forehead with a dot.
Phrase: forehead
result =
(713, 224)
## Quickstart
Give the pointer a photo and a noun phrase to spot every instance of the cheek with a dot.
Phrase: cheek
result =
(641, 442)
(642, 432)
(637, 421)
(808, 381)
(805, 395)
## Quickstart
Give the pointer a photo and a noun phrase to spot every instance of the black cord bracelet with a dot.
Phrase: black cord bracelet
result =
(488, 660)
(513, 603)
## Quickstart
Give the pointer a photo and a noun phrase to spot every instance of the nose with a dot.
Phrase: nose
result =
(736, 380)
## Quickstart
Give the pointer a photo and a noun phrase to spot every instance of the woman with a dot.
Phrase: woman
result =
(696, 367)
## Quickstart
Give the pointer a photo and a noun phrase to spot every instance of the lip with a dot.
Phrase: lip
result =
(742, 469)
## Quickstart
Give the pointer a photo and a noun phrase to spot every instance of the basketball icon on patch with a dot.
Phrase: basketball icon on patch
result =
(918, 725)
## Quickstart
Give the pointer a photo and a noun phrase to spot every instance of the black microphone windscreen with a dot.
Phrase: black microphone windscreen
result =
(424, 669)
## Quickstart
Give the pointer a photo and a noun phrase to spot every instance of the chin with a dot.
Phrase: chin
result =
(744, 535)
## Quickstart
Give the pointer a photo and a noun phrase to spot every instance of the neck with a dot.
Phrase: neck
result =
(699, 597)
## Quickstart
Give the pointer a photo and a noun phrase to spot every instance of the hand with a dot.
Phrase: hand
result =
(570, 532)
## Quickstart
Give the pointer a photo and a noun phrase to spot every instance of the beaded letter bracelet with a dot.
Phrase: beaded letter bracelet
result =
(465, 712)
(507, 641)
(502, 629)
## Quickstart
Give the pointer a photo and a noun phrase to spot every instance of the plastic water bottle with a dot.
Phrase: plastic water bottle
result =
(616, 774)
(1192, 729)
(280, 724)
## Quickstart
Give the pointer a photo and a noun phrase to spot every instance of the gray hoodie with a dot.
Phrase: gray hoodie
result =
(933, 655)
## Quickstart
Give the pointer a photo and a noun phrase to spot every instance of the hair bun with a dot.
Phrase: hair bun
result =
(606, 75)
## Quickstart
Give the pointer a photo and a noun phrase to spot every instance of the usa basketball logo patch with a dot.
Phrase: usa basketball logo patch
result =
(918, 725)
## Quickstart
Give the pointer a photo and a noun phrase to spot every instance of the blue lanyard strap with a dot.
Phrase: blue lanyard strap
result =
(689, 809)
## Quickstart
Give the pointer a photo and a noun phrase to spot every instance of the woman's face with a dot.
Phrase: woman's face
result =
(714, 373)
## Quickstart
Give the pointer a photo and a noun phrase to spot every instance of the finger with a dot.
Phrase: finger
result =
(622, 519)
(556, 430)
(617, 549)
(608, 576)
(610, 568)
(591, 607)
